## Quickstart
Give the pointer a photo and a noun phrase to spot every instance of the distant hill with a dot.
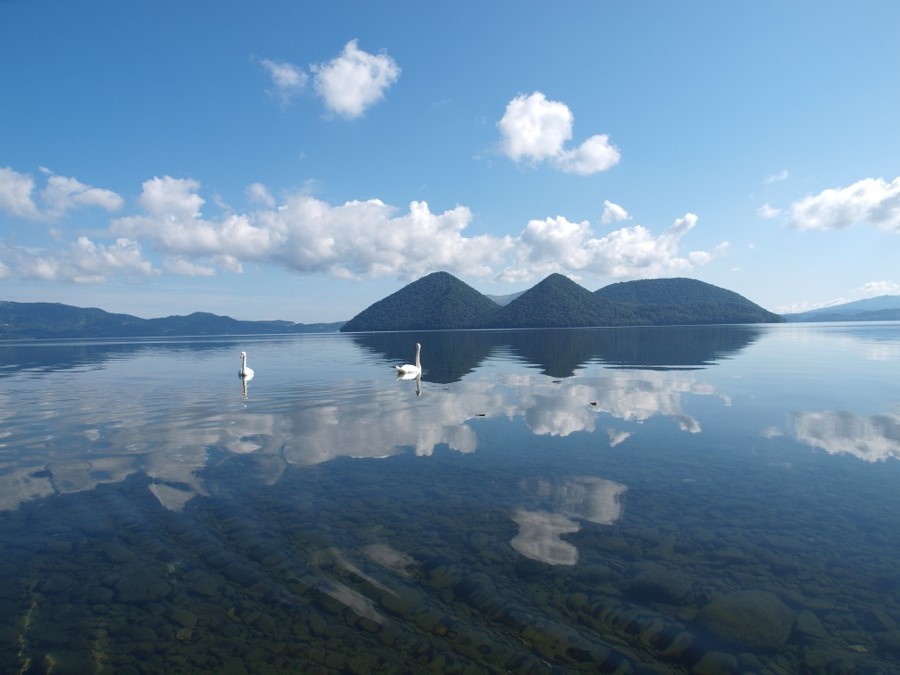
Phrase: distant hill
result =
(682, 301)
(54, 320)
(881, 308)
(504, 300)
(558, 302)
(437, 301)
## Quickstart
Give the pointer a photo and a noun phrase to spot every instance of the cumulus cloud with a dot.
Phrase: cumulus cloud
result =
(83, 262)
(62, 194)
(59, 195)
(352, 240)
(870, 200)
(355, 80)
(613, 213)
(535, 129)
(559, 245)
(305, 234)
(15, 194)
(288, 80)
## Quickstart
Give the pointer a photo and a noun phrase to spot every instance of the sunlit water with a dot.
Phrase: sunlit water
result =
(717, 499)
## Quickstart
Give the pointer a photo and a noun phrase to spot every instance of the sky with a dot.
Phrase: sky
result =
(302, 160)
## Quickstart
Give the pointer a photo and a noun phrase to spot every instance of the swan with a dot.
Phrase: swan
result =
(408, 370)
(245, 372)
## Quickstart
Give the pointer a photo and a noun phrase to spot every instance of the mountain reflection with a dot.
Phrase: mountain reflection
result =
(450, 355)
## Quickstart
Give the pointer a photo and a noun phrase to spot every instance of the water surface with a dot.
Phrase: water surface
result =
(719, 498)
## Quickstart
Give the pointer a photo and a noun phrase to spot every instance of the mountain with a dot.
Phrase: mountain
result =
(682, 301)
(882, 308)
(54, 320)
(441, 301)
(558, 302)
(437, 301)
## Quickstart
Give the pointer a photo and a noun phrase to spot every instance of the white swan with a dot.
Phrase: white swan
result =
(408, 370)
(245, 372)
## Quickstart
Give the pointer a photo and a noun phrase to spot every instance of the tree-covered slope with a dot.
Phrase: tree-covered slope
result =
(437, 301)
(50, 319)
(685, 301)
(558, 302)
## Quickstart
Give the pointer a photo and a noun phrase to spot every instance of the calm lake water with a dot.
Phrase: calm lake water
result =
(656, 500)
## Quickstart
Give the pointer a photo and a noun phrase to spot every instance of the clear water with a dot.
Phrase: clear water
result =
(715, 499)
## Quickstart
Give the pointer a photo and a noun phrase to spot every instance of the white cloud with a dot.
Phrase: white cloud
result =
(83, 262)
(768, 212)
(188, 268)
(355, 80)
(534, 129)
(15, 193)
(62, 194)
(613, 213)
(873, 289)
(776, 177)
(288, 79)
(594, 155)
(259, 193)
(356, 239)
(558, 245)
(870, 200)
(59, 195)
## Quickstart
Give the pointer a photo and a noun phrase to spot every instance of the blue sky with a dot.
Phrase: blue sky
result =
(301, 161)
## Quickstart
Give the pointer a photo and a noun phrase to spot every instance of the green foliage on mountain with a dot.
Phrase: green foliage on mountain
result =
(684, 301)
(437, 301)
(558, 302)
(440, 301)
(54, 320)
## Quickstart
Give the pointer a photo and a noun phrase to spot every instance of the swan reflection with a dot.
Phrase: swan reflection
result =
(416, 377)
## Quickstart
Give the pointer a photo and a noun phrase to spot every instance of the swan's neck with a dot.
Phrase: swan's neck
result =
(418, 364)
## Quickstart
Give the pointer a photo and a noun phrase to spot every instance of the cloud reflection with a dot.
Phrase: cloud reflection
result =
(565, 501)
(873, 439)
(359, 419)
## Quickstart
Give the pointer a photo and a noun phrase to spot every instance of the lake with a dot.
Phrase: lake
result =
(656, 500)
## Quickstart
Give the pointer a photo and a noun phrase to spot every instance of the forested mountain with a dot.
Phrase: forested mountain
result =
(558, 302)
(440, 301)
(882, 308)
(434, 302)
(49, 320)
(682, 301)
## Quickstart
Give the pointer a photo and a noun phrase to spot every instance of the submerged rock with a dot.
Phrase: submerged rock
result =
(752, 620)
(660, 584)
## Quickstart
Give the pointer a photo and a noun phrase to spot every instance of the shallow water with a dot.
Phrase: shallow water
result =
(723, 499)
